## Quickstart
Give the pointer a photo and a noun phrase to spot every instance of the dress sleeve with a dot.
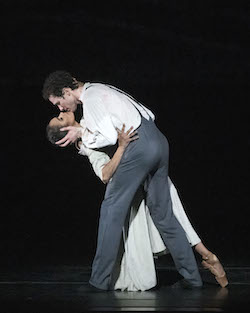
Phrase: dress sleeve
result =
(181, 215)
(98, 160)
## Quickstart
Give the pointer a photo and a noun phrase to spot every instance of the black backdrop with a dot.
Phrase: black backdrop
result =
(187, 61)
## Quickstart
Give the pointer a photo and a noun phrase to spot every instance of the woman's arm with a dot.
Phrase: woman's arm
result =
(109, 169)
(124, 138)
(103, 166)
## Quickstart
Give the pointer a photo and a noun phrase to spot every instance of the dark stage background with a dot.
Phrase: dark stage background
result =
(187, 61)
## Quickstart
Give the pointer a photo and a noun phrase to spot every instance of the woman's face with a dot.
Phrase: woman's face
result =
(63, 119)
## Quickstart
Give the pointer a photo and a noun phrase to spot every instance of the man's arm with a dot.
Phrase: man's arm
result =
(73, 134)
(92, 140)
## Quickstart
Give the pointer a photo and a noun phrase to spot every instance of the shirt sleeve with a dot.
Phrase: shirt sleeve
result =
(91, 140)
(99, 120)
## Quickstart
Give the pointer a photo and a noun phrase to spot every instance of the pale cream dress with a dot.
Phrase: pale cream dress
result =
(141, 238)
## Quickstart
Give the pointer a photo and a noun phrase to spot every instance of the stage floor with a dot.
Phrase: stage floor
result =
(54, 289)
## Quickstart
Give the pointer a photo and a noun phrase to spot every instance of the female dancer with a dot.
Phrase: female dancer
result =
(135, 268)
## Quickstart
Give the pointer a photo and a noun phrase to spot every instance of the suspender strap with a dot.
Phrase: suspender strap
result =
(130, 97)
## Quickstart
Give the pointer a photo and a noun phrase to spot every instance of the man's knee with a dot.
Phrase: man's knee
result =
(169, 226)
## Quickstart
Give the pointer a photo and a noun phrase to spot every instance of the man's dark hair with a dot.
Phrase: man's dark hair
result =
(56, 81)
(54, 133)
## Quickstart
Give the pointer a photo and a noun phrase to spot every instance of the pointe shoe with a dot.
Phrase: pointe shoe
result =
(212, 263)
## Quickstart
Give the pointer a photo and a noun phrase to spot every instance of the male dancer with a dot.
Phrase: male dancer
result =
(105, 109)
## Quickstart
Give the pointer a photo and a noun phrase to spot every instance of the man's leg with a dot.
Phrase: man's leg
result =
(173, 235)
(139, 160)
(114, 208)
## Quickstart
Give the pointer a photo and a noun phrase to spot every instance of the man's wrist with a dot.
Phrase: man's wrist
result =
(80, 132)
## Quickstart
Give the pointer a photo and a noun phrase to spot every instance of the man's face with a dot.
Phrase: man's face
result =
(63, 119)
(68, 102)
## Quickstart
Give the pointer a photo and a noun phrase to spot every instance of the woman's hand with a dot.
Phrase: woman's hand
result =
(124, 138)
(73, 134)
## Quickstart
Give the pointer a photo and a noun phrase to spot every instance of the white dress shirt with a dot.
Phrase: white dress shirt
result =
(106, 108)
(142, 240)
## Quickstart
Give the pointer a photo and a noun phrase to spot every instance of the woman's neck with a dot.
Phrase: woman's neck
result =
(78, 144)
(76, 124)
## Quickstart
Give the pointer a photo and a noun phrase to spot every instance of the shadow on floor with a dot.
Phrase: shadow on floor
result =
(65, 289)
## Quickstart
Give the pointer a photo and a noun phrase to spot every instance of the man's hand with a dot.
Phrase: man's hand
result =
(73, 134)
(124, 138)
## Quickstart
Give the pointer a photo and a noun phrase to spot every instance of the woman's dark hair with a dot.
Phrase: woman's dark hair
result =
(56, 81)
(54, 133)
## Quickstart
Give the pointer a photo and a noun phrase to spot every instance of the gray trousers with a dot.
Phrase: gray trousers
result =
(145, 159)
